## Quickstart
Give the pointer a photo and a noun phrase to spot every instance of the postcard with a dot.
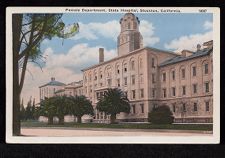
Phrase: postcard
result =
(113, 75)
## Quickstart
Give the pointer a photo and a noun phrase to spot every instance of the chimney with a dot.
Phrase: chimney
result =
(186, 53)
(53, 79)
(208, 44)
(198, 47)
(101, 55)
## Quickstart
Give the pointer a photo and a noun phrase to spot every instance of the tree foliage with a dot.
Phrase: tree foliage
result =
(29, 30)
(161, 115)
(113, 102)
(81, 106)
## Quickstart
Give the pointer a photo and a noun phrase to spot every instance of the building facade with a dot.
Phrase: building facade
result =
(151, 77)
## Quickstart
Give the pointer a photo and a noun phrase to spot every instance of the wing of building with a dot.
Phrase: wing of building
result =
(151, 77)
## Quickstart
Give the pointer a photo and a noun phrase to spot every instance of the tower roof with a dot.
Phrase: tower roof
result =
(126, 15)
(53, 83)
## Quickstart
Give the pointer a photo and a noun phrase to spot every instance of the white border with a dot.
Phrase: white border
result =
(214, 139)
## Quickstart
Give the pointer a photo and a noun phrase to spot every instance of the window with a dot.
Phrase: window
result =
(173, 91)
(118, 71)
(142, 93)
(174, 108)
(132, 65)
(125, 93)
(194, 88)
(101, 76)
(183, 90)
(118, 82)
(142, 108)
(133, 94)
(125, 81)
(153, 78)
(153, 63)
(141, 63)
(95, 77)
(184, 107)
(194, 71)
(164, 93)
(133, 109)
(206, 87)
(141, 78)
(207, 106)
(183, 73)
(164, 77)
(133, 79)
(98, 95)
(90, 89)
(153, 93)
(206, 68)
(173, 75)
(128, 25)
(155, 106)
(109, 82)
(195, 107)
(125, 69)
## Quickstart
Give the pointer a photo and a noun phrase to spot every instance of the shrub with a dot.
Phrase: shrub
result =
(161, 115)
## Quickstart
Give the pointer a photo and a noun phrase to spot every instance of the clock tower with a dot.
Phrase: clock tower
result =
(129, 38)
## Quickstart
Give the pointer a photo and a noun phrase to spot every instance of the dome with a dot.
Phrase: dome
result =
(129, 16)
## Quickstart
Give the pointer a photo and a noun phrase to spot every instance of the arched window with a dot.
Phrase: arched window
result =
(132, 65)
(141, 63)
(205, 67)
(128, 25)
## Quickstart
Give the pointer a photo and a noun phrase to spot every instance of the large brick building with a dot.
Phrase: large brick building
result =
(151, 77)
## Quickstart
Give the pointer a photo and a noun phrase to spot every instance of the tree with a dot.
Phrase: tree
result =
(161, 115)
(33, 109)
(22, 111)
(81, 106)
(62, 105)
(113, 102)
(47, 108)
(28, 111)
(29, 30)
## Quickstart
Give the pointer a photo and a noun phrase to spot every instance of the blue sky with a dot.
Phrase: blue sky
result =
(167, 27)
(172, 31)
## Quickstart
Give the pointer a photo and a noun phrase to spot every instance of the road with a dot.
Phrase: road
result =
(70, 132)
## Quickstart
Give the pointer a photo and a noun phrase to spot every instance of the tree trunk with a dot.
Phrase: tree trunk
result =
(61, 120)
(50, 120)
(79, 119)
(16, 24)
(113, 118)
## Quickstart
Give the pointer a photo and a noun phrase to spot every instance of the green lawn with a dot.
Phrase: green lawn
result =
(203, 127)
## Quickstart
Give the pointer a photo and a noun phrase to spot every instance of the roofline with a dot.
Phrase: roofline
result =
(129, 54)
(73, 87)
(186, 59)
(162, 51)
(51, 85)
(118, 57)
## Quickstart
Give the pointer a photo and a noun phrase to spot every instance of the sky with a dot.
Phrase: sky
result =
(64, 59)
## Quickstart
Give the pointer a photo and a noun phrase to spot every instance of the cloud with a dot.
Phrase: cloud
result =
(93, 31)
(147, 31)
(65, 68)
(190, 42)
(208, 25)
(78, 57)
(111, 30)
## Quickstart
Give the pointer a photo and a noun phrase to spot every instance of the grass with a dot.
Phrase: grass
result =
(201, 127)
